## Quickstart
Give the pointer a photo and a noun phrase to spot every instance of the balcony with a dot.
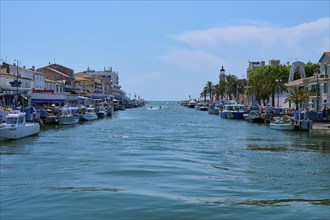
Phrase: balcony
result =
(312, 94)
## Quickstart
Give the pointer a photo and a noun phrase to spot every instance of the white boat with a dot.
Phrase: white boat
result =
(90, 114)
(201, 107)
(192, 104)
(283, 127)
(16, 127)
(283, 124)
(66, 117)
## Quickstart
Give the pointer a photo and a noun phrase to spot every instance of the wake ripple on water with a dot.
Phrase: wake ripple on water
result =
(275, 202)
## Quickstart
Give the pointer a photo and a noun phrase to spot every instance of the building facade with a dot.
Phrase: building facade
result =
(111, 81)
(64, 76)
(317, 87)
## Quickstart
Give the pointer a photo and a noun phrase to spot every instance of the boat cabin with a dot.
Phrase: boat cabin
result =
(16, 118)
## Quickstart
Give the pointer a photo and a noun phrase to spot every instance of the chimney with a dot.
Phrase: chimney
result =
(33, 68)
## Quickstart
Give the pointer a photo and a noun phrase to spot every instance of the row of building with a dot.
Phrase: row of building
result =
(316, 86)
(56, 84)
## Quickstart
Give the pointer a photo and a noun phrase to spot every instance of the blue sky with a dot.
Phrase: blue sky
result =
(163, 50)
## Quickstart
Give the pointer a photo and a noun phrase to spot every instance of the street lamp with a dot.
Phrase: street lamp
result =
(317, 90)
(17, 84)
(278, 81)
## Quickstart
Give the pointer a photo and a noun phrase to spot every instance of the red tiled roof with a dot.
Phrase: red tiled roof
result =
(58, 72)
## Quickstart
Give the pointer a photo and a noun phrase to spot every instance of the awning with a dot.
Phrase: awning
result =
(53, 101)
(83, 97)
(15, 89)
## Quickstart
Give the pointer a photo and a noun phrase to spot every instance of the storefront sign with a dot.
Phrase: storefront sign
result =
(43, 91)
(15, 83)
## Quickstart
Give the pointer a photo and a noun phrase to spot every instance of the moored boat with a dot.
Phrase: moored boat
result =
(254, 116)
(284, 124)
(16, 127)
(66, 117)
(101, 112)
(283, 127)
(192, 104)
(213, 108)
(89, 114)
(201, 106)
(233, 111)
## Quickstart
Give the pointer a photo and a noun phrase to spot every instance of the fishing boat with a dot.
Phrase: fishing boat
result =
(16, 127)
(233, 111)
(213, 108)
(102, 112)
(201, 106)
(66, 117)
(283, 124)
(89, 114)
(253, 116)
(192, 104)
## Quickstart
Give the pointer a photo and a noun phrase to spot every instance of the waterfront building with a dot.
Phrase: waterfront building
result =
(16, 84)
(93, 86)
(84, 83)
(61, 74)
(317, 86)
(253, 65)
(112, 78)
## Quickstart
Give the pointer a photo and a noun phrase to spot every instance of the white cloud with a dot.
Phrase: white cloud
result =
(267, 35)
(234, 46)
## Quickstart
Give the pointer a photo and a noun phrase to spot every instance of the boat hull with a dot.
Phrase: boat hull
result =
(282, 127)
(12, 133)
(232, 115)
(213, 111)
(68, 120)
(102, 114)
(89, 117)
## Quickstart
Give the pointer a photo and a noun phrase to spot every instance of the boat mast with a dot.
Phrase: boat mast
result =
(16, 96)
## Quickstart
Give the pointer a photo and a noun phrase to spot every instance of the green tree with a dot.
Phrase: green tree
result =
(204, 93)
(311, 68)
(274, 79)
(231, 85)
(297, 95)
(210, 88)
(222, 88)
(255, 84)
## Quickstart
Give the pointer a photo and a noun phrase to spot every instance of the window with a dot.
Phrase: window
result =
(325, 90)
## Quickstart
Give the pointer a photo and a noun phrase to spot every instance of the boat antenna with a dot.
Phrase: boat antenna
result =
(16, 83)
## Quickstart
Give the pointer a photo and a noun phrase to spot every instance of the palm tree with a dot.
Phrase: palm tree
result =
(204, 93)
(241, 86)
(222, 88)
(255, 85)
(231, 85)
(210, 88)
(275, 78)
(297, 95)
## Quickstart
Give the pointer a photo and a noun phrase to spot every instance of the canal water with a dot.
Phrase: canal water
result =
(172, 163)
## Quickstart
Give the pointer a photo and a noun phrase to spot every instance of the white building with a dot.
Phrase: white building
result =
(111, 76)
